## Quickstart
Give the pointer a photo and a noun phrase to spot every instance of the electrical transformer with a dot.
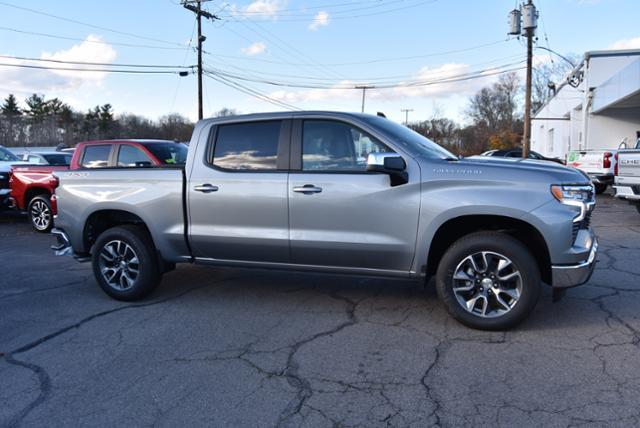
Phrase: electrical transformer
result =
(514, 22)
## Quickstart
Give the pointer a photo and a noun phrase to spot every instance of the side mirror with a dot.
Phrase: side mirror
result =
(391, 164)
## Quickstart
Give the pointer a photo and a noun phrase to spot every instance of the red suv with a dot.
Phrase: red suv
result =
(32, 186)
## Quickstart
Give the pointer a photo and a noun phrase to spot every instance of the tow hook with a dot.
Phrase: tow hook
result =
(63, 246)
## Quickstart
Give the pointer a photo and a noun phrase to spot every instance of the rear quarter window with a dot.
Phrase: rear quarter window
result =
(96, 156)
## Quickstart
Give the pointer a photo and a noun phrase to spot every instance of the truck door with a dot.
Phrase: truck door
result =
(341, 215)
(237, 193)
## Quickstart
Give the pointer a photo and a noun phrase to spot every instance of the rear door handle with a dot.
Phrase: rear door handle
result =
(307, 189)
(206, 188)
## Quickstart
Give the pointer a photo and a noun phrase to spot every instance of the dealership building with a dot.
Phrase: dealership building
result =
(596, 107)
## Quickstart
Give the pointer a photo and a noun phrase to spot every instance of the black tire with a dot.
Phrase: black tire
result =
(637, 207)
(125, 285)
(527, 284)
(600, 188)
(40, 213)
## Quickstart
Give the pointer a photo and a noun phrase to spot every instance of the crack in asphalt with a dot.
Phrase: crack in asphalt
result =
(42, 375)
(291, 368)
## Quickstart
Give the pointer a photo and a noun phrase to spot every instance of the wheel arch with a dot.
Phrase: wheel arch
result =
(103, 219)
(32, 192)
(457, 227)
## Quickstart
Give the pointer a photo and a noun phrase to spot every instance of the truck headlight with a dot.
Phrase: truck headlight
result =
(578, 196)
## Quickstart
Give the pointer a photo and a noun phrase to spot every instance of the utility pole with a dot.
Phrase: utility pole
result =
(197, 9)
(406, 115)
(364, 91)
(527, 18)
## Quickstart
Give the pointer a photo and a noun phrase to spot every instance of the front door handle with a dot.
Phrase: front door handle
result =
(307, 189)
(206, 188)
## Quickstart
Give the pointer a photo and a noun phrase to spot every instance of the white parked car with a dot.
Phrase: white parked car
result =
(598, 164)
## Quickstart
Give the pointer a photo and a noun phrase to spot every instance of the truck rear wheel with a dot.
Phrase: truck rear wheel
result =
(125, 263)
(488, 281)
(600, 188)
(637, 207)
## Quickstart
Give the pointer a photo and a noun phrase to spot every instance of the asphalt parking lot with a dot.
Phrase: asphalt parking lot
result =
(247, 348)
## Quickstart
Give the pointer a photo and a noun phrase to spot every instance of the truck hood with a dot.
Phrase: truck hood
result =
(556, 173)
(6, 166)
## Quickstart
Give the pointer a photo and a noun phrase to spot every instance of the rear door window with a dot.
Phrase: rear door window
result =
(131, 156)
(247, 146)
(96, 156)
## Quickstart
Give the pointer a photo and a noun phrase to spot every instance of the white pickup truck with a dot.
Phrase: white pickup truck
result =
(598, 164)
(627, 182)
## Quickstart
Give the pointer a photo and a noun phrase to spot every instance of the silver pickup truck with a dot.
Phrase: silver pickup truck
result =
(337, 193)
(627, 182)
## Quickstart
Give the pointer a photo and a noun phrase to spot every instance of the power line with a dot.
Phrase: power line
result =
(298, 18)
(414, 83)
(250, 91)
(99, 42)
(365, 62)
(86, 24)
(103, 70)
(326, 6)
(251, 73)
(58, 61)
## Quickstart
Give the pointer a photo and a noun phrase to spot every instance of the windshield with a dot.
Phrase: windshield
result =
(168, 153)
(58, 159)
(7, 156)
(410, 138)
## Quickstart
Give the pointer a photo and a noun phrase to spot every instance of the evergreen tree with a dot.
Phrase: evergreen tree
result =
(10, 106)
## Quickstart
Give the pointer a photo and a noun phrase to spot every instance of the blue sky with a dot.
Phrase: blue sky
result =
(331, 42)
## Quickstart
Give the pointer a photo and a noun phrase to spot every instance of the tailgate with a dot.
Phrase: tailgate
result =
(590, 162)
(629, 163)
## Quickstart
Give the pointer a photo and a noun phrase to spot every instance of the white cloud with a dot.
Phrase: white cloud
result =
(633, 43)
(21, 79)
(260, 8)
(256, 48)
(438, 90)
(320, 20)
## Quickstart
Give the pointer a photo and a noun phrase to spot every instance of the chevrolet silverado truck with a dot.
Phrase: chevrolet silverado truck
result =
(599, 165)
(32, 186)
(340, 193)
(627, 184)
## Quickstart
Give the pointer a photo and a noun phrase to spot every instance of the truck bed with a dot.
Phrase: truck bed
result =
(155, 195)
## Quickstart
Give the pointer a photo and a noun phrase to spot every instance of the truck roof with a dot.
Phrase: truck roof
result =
(127, 140)
(286, 114)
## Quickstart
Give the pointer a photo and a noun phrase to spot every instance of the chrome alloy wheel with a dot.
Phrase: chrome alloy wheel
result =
(119, 265)
(40, 215)
(487, 284)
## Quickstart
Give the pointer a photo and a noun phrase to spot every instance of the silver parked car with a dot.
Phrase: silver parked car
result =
(337, 192)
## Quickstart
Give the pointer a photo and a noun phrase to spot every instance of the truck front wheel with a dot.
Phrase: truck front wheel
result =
(40, 213)
(125, 263)
(488, 281)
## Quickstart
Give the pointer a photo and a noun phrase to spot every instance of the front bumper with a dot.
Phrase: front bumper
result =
(63, 246)
(572, 275)
(5, 197)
